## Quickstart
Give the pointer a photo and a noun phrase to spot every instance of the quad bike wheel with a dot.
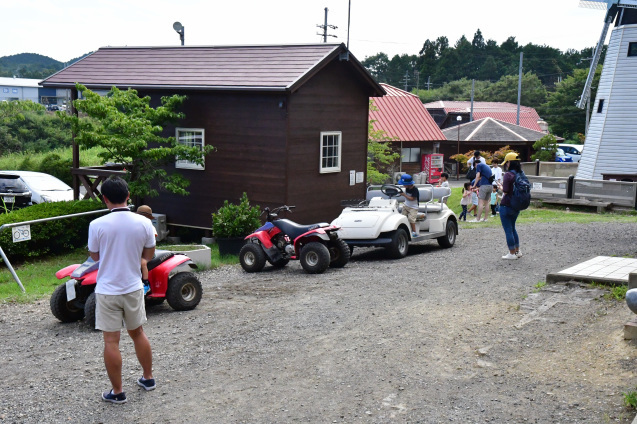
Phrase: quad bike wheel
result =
(449, 238)
(63, 310)
(252, 257)
(184, 291)
(339, 253)
(399, 244)
(315, 258)
(89, 310)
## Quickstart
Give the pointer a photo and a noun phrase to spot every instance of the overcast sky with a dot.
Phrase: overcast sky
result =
(65, 29)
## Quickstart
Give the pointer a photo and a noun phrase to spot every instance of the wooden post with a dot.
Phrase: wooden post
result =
(76, 149)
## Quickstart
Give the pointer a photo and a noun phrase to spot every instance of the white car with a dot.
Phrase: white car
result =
(44, 187)
(378, 222)
(572, 150)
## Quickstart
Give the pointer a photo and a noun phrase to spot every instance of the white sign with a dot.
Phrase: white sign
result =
(352, 177)
(537, 186)
(21, 233)
(360, 177)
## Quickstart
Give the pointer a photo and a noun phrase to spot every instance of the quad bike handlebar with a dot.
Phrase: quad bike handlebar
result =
(273, 213)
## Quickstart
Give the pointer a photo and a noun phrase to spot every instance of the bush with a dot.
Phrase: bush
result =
(236, 220)
(49, 237)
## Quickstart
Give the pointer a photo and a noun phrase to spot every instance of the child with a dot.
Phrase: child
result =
(443, 183)
(466, 199)
(146, 211)
(494, 199)
(474, 201)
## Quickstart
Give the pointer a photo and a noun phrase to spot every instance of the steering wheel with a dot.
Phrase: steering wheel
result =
(391, 190)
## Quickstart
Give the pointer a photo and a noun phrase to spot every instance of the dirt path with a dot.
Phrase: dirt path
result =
(441, 336)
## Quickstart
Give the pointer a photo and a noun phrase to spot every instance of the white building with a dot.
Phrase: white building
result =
(611, 141)
(19, 89)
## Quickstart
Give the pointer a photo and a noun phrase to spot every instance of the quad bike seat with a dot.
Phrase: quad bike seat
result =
(293, 229)
(160, 256)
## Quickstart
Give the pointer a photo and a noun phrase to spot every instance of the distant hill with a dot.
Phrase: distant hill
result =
(31, 65)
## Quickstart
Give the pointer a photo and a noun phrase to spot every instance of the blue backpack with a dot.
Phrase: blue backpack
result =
(521, 194)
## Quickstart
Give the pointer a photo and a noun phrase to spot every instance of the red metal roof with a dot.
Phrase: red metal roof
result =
(264, 67)
(402, 115)
(501, 111)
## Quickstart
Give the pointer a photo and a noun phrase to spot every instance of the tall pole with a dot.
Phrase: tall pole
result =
(473, 85)
(520, 87)
(325, 28)
(349, 11)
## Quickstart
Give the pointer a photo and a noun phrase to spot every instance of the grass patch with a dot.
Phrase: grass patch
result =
(539, 286)
(614, 292)
(38, 276)
(630, 399)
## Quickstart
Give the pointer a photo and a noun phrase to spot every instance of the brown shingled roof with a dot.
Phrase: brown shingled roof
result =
(283, 67)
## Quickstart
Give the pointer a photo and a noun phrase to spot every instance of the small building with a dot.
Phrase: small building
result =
(19, 89)
(288, 122)
(403, 117)
(446, 113)
(488, 134)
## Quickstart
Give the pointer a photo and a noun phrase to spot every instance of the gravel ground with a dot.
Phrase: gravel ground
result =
(441, 336)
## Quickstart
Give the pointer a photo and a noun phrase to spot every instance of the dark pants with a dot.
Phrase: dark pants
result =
(508, 216)
(464, 213)
(493, 209)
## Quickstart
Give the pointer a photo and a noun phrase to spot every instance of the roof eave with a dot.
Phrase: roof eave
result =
(170, 87)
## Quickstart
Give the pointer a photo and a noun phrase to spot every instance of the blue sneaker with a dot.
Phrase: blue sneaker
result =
(146, 384)
(114, 398)
(414, 235)
(146, 286)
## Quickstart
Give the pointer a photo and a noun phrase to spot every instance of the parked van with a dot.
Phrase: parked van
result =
(572, 150)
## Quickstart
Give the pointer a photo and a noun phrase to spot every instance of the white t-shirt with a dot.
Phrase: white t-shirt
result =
(472, 159)
(497, 173)
(120, 238)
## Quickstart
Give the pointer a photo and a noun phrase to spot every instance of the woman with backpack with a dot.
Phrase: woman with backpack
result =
(509, 214)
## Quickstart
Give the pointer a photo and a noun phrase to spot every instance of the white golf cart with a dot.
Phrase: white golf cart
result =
(378, 221)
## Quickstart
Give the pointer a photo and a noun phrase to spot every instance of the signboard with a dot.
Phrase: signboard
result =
(360, 177)
(352, 177)
(21, 233)
(537, 186)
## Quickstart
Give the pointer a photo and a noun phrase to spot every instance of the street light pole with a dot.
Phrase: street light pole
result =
(458, 118)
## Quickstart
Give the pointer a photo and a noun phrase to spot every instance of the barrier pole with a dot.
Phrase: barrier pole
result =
(15, 276)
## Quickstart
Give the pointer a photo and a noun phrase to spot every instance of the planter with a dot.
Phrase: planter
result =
(230, 245)
(199, 254)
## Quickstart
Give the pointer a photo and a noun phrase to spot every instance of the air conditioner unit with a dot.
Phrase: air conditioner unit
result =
(397, 176)
(159, 222)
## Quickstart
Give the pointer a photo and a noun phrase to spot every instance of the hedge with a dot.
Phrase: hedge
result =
(57, 236)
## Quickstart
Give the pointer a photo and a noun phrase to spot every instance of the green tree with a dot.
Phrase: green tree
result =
(380, 155)
(506, 90)
(129, 130)
(564, 118)
(545, 148)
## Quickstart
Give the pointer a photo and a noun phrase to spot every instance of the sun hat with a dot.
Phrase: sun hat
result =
(509, 157)
(146, 211)
(406, 180)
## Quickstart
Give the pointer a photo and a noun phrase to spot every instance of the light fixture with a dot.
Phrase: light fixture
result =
(179, 28)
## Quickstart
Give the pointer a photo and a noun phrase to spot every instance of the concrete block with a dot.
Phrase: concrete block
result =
(632, 280)
(630, 329)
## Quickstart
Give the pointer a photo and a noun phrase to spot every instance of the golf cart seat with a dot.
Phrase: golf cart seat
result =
(293, 229)
(427, 194)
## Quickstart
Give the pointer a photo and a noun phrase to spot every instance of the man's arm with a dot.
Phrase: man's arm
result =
(475, 181)
(148, 253)
(95, 256)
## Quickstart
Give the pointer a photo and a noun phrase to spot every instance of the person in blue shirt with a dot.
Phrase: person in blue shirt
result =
(483, 183)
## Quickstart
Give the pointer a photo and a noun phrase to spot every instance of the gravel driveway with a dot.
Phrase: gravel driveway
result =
(441, 336)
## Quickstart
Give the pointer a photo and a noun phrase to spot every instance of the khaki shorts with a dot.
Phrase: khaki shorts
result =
(411, 213)
(485, 191)
(114, 310)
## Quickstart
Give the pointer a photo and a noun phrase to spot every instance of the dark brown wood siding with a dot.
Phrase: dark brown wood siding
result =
(248, 133)
(333, 100)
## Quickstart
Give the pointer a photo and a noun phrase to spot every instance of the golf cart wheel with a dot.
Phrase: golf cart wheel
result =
(184, 291)
(280, 263)
(339, 253)
(449, 238)
(399, 244)
(89, 310)
(252, 257)
(315, 258)
(63, 310)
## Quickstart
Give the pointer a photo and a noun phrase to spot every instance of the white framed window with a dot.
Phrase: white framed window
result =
(330, 151)
(191, 137)
(411, 155)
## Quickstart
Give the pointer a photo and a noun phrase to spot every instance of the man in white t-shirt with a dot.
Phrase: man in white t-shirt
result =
(497, 173)
(119, 241)
(476, 157)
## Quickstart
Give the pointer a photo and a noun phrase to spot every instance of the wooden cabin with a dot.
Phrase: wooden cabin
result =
(288, 122)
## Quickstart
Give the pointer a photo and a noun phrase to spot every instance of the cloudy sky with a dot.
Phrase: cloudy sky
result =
(65, 29)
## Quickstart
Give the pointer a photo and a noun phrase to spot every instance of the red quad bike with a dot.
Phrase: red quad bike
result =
(317, 246)
(169, 278)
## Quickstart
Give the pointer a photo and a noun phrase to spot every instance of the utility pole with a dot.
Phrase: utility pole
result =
(428, 82)
(473, 83)
(417, 74)
(520, 87)
(325, 27)
(406, 79)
